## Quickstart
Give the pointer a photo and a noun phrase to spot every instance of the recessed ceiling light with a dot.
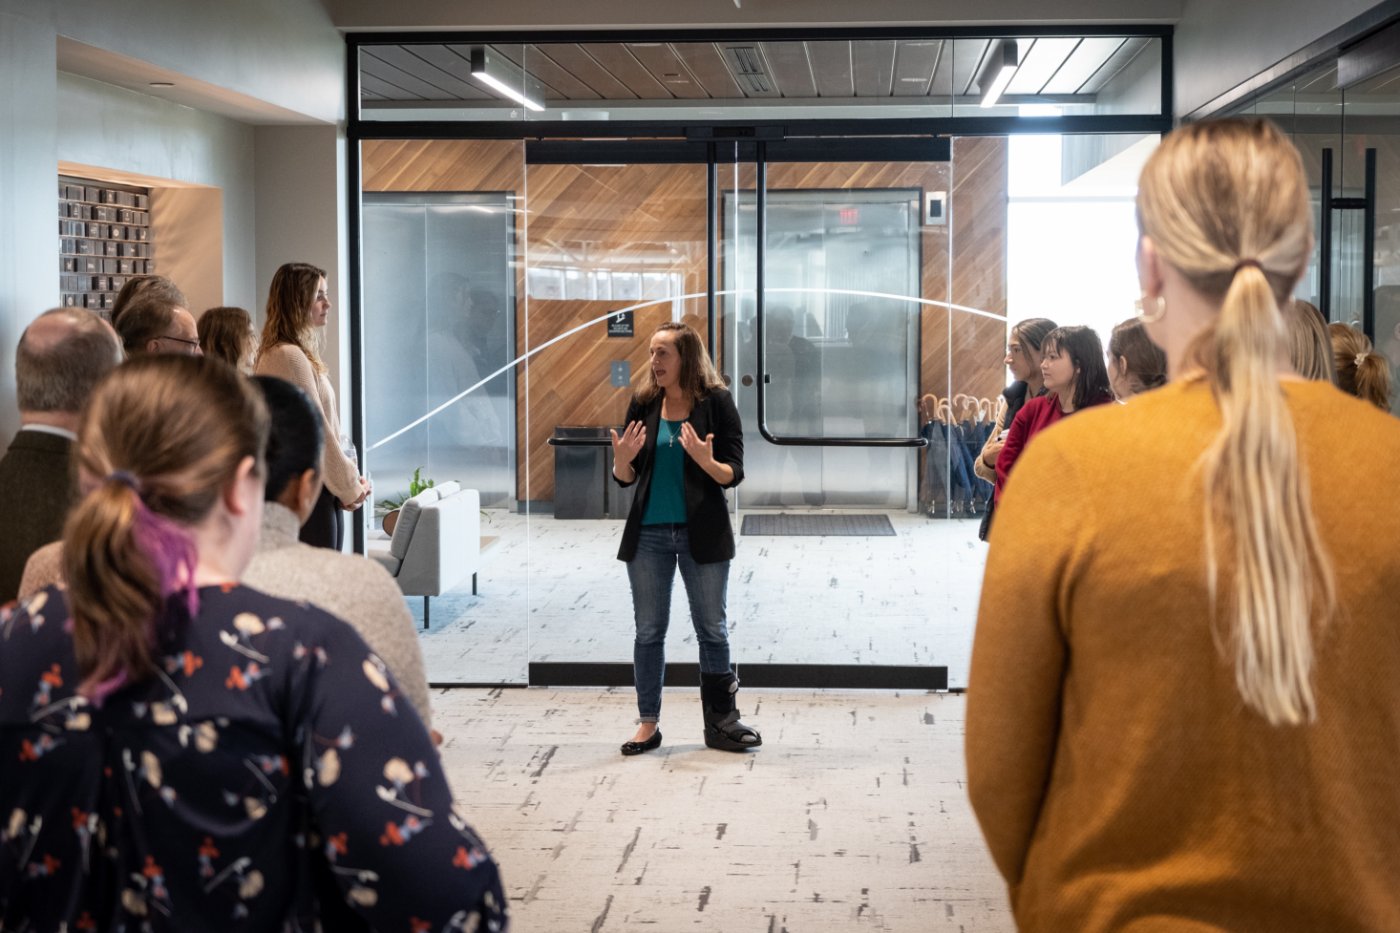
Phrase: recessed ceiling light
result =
(162, 84)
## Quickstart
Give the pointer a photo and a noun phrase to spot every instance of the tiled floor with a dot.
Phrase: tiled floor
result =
(852, 816)
(552, 590)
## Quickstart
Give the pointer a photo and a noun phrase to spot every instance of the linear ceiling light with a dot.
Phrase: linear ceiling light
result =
(503, 77)
(997, 71)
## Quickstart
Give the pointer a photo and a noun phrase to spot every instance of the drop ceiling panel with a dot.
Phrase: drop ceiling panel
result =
(874, 67)
(914, 64)
(706, 63)
(662, 63)
(414, 88)
(434, 65)
(384, 90)
(967, 58)
(587, 69)
(1114, 64)
(831, 63)
(556, 78)
(1039, 64)
(750, 69)
(791, 68)
(619, 60)
(1081, 64)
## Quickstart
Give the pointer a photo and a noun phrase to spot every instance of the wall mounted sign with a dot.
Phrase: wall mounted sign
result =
(620, 325)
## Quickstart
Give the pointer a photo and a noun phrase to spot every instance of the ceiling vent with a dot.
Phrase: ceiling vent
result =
(747, 64)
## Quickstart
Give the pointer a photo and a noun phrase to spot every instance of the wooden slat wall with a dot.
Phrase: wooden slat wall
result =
(657, 213)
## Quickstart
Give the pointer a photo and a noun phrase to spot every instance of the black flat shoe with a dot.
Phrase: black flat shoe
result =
(636, 748)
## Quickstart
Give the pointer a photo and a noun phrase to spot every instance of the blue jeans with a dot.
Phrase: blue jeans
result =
(651, 572)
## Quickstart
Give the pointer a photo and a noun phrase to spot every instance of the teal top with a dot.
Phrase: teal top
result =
(666, 501)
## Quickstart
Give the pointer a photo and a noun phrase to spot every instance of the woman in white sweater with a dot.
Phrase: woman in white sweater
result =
(297, 304)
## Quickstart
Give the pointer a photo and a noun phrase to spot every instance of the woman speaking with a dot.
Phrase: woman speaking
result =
(683, 445)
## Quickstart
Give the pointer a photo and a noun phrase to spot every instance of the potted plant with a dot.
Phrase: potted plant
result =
(389, 507)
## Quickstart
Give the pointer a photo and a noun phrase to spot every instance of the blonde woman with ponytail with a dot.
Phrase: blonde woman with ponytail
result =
(180, 752)
(1183, 709)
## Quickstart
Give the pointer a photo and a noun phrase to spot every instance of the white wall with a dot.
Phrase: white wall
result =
(28, 193)
(1220, 45)
(113, 128)
(301, 207)
(285, 52)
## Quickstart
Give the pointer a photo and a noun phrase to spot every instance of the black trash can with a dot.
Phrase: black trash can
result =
(581, 472)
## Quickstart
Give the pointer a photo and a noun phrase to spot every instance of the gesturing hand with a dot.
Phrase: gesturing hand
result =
(702, 452)
(626, 447)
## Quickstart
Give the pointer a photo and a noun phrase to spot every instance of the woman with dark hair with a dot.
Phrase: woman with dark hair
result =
(227, 333)
(347, 586)
(297, 305)
(180, 751)
(1023, 359)
(683, 445)
(1181, 710)
(1075, 378)
(1360, 370)
(1135, 363)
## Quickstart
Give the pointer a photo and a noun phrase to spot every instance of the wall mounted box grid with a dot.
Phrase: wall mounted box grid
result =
(104, 238)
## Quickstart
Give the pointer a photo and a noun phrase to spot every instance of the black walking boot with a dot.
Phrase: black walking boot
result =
(723, 730)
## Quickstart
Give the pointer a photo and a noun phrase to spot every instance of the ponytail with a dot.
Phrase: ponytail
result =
(1254, 468)
(132, 561)
(1226, 204)
(1361, 371)
(1373, 380)
(159, 441)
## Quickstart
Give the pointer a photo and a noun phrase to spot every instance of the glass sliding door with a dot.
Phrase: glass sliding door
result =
(840, 343)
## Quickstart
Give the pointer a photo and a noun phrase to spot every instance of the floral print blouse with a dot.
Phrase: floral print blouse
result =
(271, 776)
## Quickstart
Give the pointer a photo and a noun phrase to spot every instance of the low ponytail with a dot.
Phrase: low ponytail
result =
(1256, 480)
(159, 440)
(1360, 369)
(1226, 204)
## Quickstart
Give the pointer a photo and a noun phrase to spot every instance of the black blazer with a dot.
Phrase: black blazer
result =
(38, 487)
(706, 512)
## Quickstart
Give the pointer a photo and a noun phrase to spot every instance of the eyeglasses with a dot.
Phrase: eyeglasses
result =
(187, 342)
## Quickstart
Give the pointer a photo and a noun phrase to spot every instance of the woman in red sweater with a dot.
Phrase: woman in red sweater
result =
(1075, 378)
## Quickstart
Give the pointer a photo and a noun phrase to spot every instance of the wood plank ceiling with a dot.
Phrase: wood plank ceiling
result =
(739, 70)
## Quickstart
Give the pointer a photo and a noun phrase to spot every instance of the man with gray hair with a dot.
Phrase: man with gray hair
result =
(61, 356)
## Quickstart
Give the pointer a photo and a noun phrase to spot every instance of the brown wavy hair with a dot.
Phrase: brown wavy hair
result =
(1226, 204)
(1147, 364)
(159, 441)
(1360, 369)
(289, 301)
(227, 334)
(698, 377)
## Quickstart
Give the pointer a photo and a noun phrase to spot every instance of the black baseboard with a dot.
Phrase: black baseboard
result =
(792, 676)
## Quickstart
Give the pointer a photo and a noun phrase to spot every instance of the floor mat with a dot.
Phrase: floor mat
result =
(818, 525)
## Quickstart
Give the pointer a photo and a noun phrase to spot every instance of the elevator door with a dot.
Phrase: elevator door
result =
(841, 344)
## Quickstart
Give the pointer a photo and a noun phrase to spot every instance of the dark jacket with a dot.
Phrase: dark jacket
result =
(39, 488)
(706, 511)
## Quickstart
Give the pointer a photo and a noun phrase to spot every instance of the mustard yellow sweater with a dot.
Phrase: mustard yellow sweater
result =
(1119, 779)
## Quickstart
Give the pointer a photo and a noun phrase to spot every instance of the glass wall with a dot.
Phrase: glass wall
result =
(744, 79)
(1340, 132)
(853, 292)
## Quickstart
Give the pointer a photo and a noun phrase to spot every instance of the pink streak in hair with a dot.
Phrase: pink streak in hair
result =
(172, 554)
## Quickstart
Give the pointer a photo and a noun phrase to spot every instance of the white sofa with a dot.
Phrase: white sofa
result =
(436, 542)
